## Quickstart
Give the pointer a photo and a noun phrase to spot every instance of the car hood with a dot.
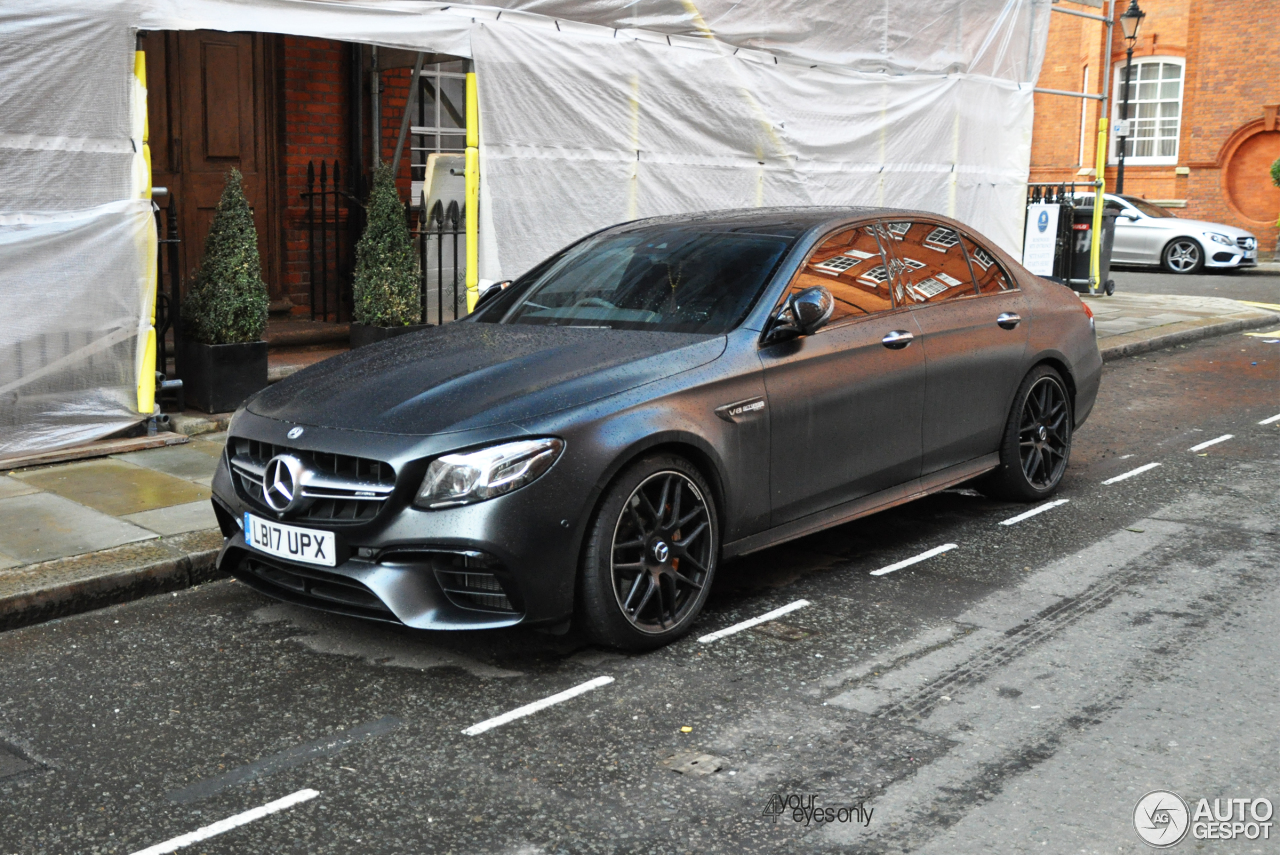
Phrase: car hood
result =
(472, 375)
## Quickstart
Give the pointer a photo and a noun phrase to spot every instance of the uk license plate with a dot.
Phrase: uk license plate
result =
(290, 542)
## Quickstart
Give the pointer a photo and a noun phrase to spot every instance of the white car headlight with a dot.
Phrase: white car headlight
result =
(462, 479)
(1223, 239)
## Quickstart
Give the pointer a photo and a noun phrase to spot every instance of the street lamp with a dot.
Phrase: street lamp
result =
(1129, 23)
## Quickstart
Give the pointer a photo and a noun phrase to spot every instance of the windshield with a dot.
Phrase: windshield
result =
(1147, 208)
(677, 278)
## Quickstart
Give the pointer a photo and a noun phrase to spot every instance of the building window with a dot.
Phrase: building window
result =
(440, 113)
(1155, 110)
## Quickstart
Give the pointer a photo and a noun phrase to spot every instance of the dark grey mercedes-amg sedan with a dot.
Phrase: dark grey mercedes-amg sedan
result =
(596, 438)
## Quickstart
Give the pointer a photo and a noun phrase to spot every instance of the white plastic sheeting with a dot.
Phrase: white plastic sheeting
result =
(580, 130)
(592, 111)
(75, 293)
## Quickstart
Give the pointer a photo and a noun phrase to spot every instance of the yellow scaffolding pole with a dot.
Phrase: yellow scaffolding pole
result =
(147, 365)
(471, 171)
(1100, 188)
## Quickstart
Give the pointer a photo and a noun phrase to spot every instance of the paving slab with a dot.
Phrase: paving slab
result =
(14, 487)
(177, 519)
(115, 487)
(180, 461)
(42, 526)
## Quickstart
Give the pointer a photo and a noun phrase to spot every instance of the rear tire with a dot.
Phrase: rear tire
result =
(1037, 439)
(651, 554)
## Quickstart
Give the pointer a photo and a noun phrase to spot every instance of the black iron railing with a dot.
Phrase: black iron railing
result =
(333, 220)
(439, 234)
(333, 216)
(168, 296)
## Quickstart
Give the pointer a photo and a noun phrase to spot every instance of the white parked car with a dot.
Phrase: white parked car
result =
(1150, 235)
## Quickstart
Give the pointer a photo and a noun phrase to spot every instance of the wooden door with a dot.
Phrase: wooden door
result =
(212, 108)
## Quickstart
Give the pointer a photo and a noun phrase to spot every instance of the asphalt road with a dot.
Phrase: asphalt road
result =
(1017, 693)
(1257, 287)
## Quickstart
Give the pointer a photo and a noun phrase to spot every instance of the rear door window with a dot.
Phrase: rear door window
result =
(930, 263)
(850, 265)
(991, 277)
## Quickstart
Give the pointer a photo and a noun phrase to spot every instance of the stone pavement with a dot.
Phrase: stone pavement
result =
(72, 525)
(80, 535)
(1136, 323)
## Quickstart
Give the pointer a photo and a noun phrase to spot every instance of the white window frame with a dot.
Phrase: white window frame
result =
(1117, 102)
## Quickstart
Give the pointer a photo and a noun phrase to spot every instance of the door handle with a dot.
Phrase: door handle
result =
(897, 339)
(1008, 320)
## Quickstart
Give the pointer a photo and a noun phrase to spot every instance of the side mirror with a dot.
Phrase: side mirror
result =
(492, 290)
(805, 313)
(811, 309)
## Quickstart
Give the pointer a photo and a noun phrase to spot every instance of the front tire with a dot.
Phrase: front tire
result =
(651, 553)
(1037, 439)
(1182, 255)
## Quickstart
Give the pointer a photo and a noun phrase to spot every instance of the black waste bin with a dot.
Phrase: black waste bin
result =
(1081, 248)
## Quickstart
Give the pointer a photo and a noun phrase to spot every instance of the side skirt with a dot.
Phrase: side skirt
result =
(934, 482)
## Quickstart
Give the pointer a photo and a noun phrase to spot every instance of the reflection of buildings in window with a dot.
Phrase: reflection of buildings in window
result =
(843, 262)
(927, 289)
(875, 277)
(981, 258)
(942, 239)
(901, 265)
(898, 230)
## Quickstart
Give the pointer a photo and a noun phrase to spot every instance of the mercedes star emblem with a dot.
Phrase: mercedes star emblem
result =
(294, 433)
(282, 483)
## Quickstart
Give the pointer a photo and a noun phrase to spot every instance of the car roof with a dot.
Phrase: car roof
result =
(789, 220)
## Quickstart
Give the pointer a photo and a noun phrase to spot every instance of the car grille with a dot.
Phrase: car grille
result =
(342, 488)
(1247, 243)
(313, 587)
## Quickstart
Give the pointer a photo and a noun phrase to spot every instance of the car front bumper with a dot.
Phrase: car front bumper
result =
(505, 561)
(1221, 256)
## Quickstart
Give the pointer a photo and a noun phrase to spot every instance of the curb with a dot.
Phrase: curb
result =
(52, 589)
(1131, 344)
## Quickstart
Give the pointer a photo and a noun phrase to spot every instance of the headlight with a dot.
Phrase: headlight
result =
(462, 479)
(1217, 238)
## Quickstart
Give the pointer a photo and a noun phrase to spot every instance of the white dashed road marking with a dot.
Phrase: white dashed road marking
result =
(1275, 418)
(1130, 473)
(1031, 513)
(530, 709)
(229, 823)
(921, 557)
(1202, 446)
(755, 621)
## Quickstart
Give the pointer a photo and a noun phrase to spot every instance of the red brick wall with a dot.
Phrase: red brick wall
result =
(395, 92)
(1229, 79)
(315, 128)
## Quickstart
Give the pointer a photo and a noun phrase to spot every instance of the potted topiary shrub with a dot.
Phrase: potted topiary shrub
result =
(222, 359)
(387, 301)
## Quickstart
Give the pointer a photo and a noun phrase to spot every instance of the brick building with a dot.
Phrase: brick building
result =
(1204, 107)
(278, 107)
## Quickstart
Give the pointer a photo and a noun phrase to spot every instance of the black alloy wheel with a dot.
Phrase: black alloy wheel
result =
(651, 555)
(1183, 255)
(1037, 439)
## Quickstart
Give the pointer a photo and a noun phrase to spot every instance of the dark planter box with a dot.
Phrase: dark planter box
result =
(362, 334)
(217, 378)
